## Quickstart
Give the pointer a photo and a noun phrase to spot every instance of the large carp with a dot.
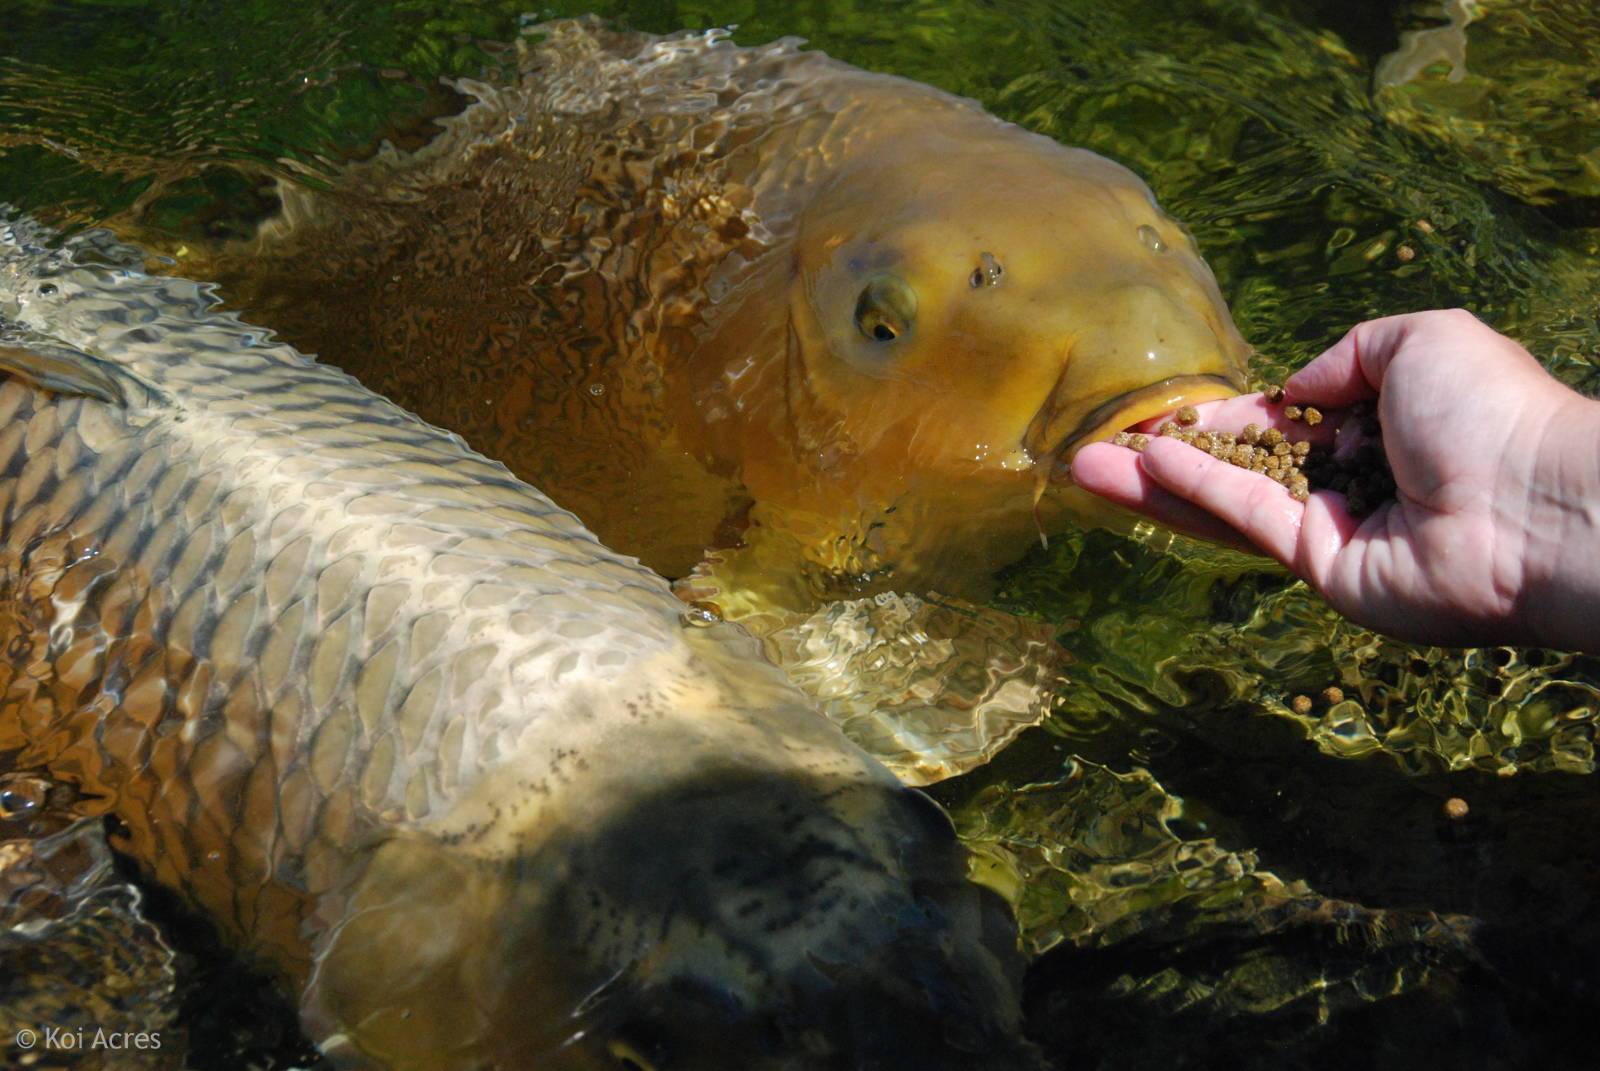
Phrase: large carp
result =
(407, 733)
(843, 327)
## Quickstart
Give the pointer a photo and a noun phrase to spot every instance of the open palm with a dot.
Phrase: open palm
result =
(1495, 526)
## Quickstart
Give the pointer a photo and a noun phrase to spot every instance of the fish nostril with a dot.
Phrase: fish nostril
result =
(1151, 239)
(987, 273)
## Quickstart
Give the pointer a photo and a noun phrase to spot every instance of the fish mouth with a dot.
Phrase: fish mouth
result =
(1121, 413)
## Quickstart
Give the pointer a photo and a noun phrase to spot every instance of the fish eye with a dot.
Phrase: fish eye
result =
(885, 309)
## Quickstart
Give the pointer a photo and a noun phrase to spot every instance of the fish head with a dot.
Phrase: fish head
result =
(740, 920)
(792, 925)
(968, 309)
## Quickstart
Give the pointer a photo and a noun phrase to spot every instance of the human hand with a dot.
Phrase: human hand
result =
(1494, 533)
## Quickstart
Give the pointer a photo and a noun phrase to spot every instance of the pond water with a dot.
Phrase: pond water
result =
(1207, 875)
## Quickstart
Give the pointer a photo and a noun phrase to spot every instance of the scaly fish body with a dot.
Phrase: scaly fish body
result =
(405, 731)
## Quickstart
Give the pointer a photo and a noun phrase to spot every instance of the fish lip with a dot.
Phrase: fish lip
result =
(1134, 407)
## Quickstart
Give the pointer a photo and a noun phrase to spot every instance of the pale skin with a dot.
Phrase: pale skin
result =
(1494, 534)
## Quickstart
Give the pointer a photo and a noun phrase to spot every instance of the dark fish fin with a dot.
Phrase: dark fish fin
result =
(55, 366)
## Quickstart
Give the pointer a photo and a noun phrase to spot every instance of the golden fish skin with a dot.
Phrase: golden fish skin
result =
(651, 274)
(413, 738)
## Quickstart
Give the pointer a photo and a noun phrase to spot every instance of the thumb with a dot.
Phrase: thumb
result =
(1352, 370)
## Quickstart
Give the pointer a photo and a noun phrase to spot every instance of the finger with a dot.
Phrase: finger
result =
(1352, 370)
(1326, 531)
(1114, 473)
(1307, 538)
(1247, 502)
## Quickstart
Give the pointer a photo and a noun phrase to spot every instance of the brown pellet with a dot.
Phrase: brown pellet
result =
(1333, 694)
(1273, 394)
(1138, 442)
(1455, 808)
(1300, 704)
(1300, 467)
(1188, 416)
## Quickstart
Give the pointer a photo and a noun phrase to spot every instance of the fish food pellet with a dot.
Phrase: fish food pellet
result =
(1333, 694)
(1301, 704)
(1364, 477)
(1131, 439)
(1455, 808)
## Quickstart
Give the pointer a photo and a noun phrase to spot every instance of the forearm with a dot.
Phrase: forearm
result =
(1561, 597)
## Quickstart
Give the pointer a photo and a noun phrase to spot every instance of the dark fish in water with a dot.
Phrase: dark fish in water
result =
(413, 738)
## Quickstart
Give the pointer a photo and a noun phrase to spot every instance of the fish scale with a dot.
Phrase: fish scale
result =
(280, 652)
(342, 682)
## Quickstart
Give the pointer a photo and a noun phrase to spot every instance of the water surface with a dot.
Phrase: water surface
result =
(1210, 877)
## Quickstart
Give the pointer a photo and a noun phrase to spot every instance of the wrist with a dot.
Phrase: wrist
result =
(1561, 598)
